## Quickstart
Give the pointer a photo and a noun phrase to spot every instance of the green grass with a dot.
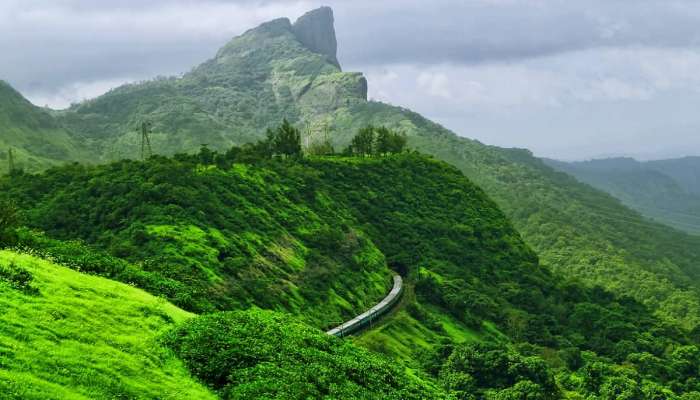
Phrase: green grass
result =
(85, 337)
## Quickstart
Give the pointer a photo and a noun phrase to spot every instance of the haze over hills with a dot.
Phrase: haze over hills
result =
(667, 191)
(565, 275)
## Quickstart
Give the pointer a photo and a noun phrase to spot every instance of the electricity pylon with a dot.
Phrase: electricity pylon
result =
(146, 151)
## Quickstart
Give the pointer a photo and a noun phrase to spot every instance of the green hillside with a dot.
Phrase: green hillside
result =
(211, 239)
(37, 138)
(471, 278)
(685, 171)
(65, 335)
(666, 191)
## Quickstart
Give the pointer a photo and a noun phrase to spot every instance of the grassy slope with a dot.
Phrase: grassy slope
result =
(85, 337)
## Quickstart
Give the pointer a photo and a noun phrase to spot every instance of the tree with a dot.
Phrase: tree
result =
(206, 156)
(383, 141)
(363, 143)
(397, 142)
(286, 140)
(8, 222)
(378, 141)
(389, 141)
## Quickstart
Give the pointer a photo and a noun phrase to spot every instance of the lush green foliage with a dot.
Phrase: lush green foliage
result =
(76, 337)
(496, 373)
(259, 354)
(8, 223)
(183, 228)
(169, 223)
(208, 238)
(376, 141)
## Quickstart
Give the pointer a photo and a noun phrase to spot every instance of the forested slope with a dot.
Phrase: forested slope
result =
(471, 279)
(212, 239)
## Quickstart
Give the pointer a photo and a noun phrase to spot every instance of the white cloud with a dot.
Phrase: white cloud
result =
(74, 92)
(435, 84)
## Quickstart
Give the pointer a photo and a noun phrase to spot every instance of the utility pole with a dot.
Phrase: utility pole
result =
(146, 151)
(11, 160)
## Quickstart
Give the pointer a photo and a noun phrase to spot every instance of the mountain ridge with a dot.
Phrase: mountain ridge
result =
(667, 190)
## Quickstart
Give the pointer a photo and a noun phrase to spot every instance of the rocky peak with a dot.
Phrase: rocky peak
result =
(315, 30)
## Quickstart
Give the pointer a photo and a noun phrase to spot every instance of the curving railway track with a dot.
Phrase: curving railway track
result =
(368, 317)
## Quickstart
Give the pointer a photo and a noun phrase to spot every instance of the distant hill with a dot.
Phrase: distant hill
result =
(38, 140)
(685, 171)
(667, 191)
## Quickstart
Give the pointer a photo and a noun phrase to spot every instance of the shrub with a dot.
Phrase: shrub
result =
(262, 354)
(17, 278)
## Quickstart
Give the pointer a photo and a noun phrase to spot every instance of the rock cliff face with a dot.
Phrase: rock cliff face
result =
(315, 30)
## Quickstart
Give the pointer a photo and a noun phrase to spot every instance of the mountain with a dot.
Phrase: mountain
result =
(276, 71)
(667, 191)
(37, 139)
(685, 171)
(253, 82)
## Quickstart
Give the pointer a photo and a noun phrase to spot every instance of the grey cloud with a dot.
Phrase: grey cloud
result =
(564, 78)
(484, 31)
(51, 43)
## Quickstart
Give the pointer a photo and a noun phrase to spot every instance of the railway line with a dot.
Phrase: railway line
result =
(368, 317)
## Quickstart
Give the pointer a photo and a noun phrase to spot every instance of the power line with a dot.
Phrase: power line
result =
(145, 140)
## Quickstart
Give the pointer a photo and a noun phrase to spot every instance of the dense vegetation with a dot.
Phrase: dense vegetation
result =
(180, 226)
(208, 239)
(257, 354)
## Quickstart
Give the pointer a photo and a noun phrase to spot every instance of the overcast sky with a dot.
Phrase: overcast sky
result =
(568, 79)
